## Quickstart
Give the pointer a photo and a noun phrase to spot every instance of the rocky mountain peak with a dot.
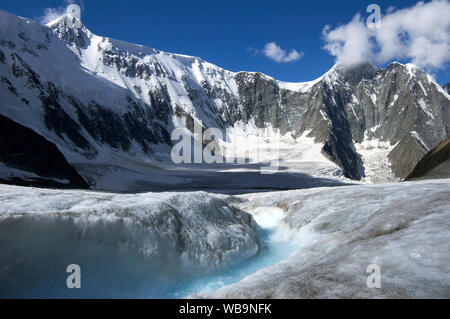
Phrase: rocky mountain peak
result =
(71, 31)
(351, 74)
(67, 21)
(409, 68)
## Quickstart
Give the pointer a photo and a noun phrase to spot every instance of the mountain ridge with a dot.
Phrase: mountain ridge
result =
(101, 100)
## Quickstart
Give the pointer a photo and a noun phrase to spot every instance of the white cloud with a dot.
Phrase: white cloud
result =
(350, 43)
(420, 34)
(51, 14)
(277, 54)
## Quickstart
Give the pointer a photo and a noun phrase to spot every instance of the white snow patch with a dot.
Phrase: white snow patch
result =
(394, 100)
(374, 154)
(419, 139)
(423, 106)
(7, 173)
(301, 87)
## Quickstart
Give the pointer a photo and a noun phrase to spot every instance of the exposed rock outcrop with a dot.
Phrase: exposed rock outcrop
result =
(435, 164)
(40, 161)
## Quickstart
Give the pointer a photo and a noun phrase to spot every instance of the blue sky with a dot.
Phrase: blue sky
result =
(226, 33)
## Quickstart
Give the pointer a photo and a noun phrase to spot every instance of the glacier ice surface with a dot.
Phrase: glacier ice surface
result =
(127, 245)
(311, 243)
(339, 232)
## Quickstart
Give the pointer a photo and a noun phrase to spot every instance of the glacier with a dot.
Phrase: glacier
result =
(128, 245)
(401, 227)
(310, 243)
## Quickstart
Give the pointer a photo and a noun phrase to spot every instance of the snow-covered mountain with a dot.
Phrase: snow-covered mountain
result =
(110, 108)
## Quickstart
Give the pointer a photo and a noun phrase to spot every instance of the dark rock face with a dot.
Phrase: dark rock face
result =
(352, 104)
(72, 32)
(259, 99)
(447, 87)
(317, 111)
(23, 149)
(437, 157)
(56, 118)
(405, 155)
(398, 105)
